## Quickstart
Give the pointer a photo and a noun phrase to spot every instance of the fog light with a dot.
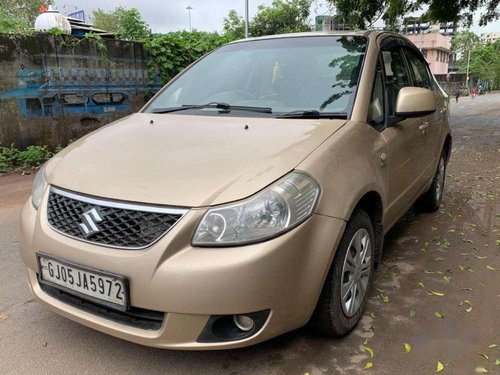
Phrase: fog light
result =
(243, 322)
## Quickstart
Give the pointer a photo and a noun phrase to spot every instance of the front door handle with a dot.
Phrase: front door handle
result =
(424, 126)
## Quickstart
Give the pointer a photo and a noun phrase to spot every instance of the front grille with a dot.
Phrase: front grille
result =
(119, 225)
(135, 317)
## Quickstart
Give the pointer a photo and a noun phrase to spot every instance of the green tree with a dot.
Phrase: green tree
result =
(19, 15)
(485, 62)
(131, 26)
(463, 42)
(104, 20)
(363, 13)
(234, 26)
(126, 23)
(283, 16)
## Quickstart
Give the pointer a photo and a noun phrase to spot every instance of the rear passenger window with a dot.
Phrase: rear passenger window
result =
(419, 70)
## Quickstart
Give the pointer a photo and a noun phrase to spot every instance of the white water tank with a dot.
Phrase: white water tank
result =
(52, 19)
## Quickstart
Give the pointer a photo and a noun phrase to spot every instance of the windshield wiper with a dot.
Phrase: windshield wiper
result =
(223, 106)
(312, 114)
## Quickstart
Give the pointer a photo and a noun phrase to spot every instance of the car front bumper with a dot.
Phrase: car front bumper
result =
(189, 284)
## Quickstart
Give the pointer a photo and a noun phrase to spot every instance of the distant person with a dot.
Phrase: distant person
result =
(457, 95)
(473, 91)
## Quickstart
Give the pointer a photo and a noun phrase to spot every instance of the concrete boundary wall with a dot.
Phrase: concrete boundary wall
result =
(54, 89)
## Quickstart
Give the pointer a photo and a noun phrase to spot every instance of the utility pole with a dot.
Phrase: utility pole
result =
(189, 9)
(467, 75)
(246, 18)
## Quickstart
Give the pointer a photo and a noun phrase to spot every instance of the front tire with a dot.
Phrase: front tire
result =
(344, 294)
(431, 199)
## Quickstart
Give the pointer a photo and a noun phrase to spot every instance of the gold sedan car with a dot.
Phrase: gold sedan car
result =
(248, 198)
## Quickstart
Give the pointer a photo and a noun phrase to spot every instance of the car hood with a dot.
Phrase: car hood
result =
(184, 160)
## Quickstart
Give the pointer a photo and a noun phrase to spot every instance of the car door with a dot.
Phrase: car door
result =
(406, 141)
(430, 125)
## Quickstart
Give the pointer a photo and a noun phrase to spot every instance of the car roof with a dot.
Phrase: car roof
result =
(371, 33)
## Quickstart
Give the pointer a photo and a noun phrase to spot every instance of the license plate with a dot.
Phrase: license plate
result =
(101, 287)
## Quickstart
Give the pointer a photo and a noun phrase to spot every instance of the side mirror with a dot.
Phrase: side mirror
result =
(415, 102)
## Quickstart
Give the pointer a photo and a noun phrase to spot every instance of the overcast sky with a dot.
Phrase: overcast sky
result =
(207, 15)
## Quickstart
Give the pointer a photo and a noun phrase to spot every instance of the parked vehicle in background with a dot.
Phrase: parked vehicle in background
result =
(249, 197)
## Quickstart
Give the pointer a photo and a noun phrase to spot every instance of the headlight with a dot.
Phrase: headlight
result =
(39, 186)
(273, 211)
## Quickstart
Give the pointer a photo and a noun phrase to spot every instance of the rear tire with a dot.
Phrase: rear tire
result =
(346, 288)
(431, 199)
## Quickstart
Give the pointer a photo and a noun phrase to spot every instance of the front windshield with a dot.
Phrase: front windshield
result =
(283, 74)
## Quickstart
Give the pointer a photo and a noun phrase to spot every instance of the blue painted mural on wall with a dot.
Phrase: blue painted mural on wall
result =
(57, 92)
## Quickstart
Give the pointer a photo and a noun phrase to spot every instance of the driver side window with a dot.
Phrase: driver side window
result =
(396, 76)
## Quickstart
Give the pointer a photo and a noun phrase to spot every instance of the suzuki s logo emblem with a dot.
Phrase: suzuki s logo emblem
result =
(90, 218)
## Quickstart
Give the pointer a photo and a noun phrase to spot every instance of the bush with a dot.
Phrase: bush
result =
(171, 53)
(9, 155)
(33, 156)
(4, 165)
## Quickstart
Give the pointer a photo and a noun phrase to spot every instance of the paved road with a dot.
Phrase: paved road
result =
(448, 252)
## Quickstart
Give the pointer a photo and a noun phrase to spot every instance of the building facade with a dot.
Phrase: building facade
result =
(436, 49)
(490, 37)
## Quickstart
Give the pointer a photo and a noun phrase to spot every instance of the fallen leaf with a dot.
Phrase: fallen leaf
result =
(469, 307)
(491, 268)
(373, 315)
(439, 294)
(412, 313)
(407, 347)
(497, 362)
(369, 351)
(439, 367)
(483, 355)
(439, 315)
(481, 370)
(421, 284)
(384, 298)
(447, 278)
(5, 316)
(461, 267)
(480, 257)
(492, 346)
(439, 258)
(466, 288)
(368, 365)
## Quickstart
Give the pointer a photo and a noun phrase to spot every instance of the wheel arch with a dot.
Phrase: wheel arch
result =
(447, 147)
(371, 202)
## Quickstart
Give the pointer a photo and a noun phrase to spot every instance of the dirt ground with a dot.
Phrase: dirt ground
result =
(437, 290)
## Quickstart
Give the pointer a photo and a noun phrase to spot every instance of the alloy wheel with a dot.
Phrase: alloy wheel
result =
(356, 272)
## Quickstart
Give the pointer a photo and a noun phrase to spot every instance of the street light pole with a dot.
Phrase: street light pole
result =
(467, 75)
(189, 9)
(246, 18)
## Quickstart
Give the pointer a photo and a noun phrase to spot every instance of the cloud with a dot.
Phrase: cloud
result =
(170, 15)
